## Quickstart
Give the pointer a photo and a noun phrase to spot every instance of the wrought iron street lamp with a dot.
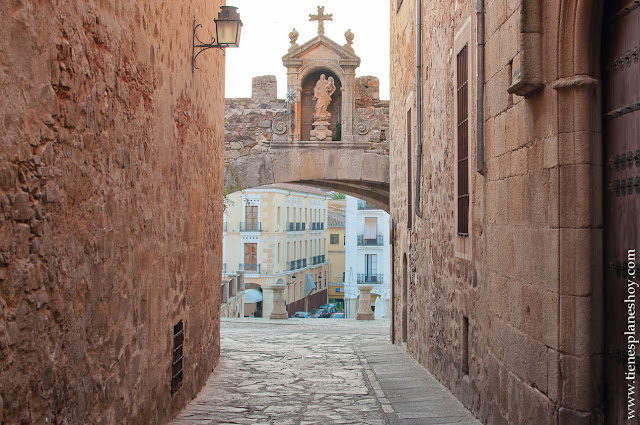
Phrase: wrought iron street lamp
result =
(228, 28)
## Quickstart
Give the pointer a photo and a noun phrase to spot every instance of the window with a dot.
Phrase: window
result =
(250, 256)
(370, 228)
(278, 218)
(409, 174)
(335, 239)
(370, 267)
(465, 345)
(176, 360)
(251, 217)
(462, 122)
(278, 257)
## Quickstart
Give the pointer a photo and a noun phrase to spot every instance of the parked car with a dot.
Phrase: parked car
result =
(337, 316)
(331, 308)
(301, 314)
(320, 313)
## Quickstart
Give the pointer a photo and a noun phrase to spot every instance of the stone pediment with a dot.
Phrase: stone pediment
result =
(321, 47)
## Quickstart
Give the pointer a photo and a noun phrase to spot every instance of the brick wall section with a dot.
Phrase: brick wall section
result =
(533, 334)
(110, 181)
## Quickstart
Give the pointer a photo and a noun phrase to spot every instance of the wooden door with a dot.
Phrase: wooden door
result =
(621, 123)
(250, 256)
(251, 217)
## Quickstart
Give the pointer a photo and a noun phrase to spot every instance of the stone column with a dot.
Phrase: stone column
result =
(348, 104)
(279, 311)
(364, 308)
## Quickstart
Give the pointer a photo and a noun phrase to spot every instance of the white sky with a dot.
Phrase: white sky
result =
(265, 38)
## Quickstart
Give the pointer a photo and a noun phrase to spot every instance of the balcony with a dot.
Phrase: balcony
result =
(318, 259)
(296, 227)
(364, 205)
(250, 268)
(378, 241)
(251, 227)
(370, 278)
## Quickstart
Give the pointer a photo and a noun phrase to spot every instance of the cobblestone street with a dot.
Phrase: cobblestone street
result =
(317, 371)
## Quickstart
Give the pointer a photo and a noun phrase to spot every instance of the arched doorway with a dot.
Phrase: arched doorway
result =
(308, 104)
(621, 127)
(405, 299)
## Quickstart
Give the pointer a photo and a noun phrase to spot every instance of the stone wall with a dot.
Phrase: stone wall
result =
(251, 124)
(534, 328)
(110, 191)
(264, 89)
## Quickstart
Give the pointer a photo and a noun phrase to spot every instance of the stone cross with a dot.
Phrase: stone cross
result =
(321, 17)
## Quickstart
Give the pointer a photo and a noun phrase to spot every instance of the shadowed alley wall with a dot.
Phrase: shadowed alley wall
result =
(110, 208)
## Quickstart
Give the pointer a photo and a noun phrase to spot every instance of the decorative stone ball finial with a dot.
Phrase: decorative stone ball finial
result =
(293, 36)
(349, 36)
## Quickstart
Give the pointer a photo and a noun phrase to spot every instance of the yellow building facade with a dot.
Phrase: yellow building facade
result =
(278, 235)
(336, 243)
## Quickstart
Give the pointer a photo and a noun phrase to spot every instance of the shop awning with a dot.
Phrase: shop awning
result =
(309, 284)
(252, 296)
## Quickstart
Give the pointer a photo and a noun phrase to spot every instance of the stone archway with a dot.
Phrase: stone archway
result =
(353, 171)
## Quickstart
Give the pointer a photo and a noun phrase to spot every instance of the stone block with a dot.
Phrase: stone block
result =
(580, 379)
(519, 162)
(22, 233)
(375, 168)
(350, 166)
(509, 34)
(286, 166)
(311, 164)
(573, 417)
(549, 320)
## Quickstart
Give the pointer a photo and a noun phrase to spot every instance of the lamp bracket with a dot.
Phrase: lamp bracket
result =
(201, 45)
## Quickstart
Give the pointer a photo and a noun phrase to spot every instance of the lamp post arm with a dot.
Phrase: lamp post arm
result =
(201, 45)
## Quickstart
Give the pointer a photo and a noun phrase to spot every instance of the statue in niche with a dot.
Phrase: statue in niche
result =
(322, 93)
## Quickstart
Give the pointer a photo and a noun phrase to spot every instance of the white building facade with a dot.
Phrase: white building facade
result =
(367, 256)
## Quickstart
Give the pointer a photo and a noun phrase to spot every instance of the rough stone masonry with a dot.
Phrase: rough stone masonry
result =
(110, 181)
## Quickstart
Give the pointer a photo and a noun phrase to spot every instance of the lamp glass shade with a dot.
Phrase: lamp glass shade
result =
(227, 33)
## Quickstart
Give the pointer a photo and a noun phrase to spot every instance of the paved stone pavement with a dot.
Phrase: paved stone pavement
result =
(318, 371)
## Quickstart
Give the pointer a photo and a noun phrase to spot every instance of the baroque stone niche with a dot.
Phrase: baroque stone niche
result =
(308, 104)
(305, 64)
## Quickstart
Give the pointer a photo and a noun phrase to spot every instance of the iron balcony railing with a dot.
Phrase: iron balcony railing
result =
(297, 264)
(318, 259)
(364, 205)
(296, 227)
(377, 241)
(370, 278)
(250, 268)
(251, 227)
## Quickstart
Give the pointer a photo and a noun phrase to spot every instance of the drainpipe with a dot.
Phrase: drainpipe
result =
(418, 205)
(480, 90)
